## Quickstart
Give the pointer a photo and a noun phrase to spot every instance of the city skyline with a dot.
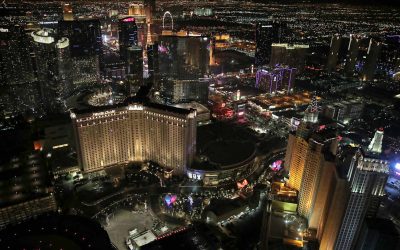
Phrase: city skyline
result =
(151, 124)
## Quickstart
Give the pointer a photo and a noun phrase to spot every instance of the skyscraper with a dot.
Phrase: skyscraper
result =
(362, 179)
(52, 68)
(333, 55)
(298, 155)
(64, 67)
(84, 36)
(266, 34)
(352, 55)
(371, 60)
(153, 63)
(86, 49)
(336, 203)
(296, 152)
(128, 35)
(319, 154)
(367, 177)
(134, 69)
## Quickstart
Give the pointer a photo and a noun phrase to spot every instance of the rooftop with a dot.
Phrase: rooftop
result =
(192, 105)
(225, 153)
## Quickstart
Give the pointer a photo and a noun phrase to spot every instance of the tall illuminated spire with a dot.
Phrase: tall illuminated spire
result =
(376, 144)
(311, 113)
(149, 39)
(314, 104)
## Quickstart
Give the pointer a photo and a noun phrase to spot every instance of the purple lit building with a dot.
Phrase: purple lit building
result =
(279, 78)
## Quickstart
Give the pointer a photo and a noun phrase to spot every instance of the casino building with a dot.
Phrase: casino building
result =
(135, 131)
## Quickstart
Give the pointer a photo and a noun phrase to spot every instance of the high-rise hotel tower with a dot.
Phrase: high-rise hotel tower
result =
(367, 176)
(135, 131)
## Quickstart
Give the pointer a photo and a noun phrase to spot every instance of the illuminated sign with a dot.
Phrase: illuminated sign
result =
(135, 107)
(170, 199)
(276, 165)
(3, 30)
(128, 19)
(104, 113)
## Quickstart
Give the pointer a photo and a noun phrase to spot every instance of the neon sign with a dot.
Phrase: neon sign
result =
(129, 19)
(104, 113)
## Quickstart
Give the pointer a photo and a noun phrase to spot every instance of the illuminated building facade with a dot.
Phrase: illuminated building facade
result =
(317, 159)
(128, 35)
(367, 177)
(298, 145)
(310, 158)
(298, 155)
(136, 132)
(280, 78)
